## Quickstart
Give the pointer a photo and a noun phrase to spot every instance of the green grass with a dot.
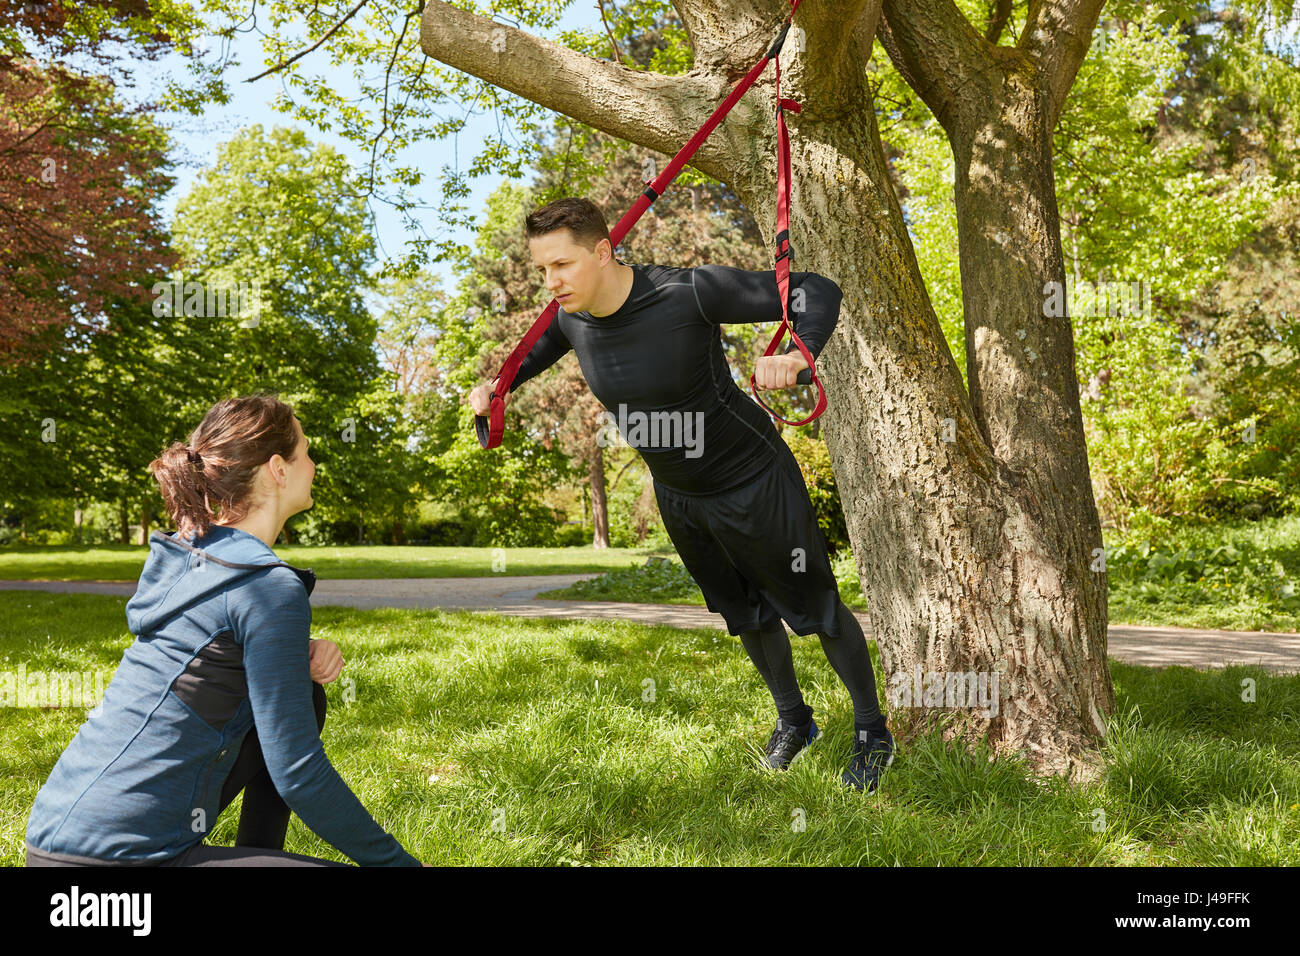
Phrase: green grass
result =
(547, 726)
(123, 562)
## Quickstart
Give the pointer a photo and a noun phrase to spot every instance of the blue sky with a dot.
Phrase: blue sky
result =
(196, 139)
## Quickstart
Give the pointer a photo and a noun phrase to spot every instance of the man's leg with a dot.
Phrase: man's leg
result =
(263, 816)
(769, 649)
(851, 660)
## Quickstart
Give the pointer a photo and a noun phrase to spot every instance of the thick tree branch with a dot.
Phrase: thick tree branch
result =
(717, 31)
(650, 109)
(938, 52)
(1057, 36)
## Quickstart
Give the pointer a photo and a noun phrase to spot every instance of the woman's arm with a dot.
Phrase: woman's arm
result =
(271, 617)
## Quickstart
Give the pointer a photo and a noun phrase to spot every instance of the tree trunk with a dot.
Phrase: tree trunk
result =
(124, 535)
(1021, 365)
(1045, 580)
(599, 512)
(645, 505)
(146, 518)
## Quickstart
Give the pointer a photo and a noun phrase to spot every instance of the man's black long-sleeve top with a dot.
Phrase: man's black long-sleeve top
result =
(661, 352)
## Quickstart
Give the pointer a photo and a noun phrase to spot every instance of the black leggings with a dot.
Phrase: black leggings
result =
(769, 649)
(263, 816)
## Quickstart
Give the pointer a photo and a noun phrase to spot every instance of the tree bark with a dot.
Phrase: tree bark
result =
(599, 508)
(973, 548)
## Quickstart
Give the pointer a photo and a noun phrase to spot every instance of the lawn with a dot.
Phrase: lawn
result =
(480, 739)
(123, 562)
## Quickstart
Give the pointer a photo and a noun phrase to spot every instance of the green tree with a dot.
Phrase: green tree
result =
(275, 219)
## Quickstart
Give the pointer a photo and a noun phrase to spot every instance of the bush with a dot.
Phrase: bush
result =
(527, 525)
(815, 463)
(573, 535)
(443, 532)
(846, 576)
(659, 579)
(1244, 567)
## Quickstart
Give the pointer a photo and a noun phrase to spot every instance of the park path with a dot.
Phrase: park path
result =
(517, 595)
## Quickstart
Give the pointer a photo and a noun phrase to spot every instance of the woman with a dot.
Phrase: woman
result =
(216, 693)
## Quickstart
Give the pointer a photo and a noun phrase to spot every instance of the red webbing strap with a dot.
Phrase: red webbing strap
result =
(783, 258)
(491, 427)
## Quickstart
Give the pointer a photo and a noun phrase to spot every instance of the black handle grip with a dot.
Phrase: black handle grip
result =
(483, 425)
(804, 377)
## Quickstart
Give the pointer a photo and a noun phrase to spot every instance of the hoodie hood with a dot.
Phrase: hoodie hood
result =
(179, 573)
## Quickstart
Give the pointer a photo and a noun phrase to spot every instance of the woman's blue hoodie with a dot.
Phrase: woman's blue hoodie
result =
(222, 629)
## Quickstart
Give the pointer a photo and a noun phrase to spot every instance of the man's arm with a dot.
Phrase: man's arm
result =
(727, 296)
(549, 348)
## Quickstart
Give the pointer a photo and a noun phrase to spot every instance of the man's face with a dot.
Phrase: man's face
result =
(573, 274)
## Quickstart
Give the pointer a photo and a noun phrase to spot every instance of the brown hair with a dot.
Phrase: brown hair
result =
(220, 462)
(581, 217)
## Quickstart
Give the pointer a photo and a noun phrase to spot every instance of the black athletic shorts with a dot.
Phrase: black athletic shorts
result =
(756, 551)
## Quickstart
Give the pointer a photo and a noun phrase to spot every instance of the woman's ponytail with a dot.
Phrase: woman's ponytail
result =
(179, 473)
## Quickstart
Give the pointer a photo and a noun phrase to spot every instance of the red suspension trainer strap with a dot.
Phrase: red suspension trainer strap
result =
(783, 256)
(491, 427)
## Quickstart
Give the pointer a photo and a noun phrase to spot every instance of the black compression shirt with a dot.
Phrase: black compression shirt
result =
(658, 367)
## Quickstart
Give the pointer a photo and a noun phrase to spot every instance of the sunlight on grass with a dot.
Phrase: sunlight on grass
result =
(481, 739)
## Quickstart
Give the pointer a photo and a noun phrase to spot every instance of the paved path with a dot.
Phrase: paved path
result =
(1150, 646)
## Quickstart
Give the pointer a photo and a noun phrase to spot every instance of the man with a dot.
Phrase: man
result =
(732, 497)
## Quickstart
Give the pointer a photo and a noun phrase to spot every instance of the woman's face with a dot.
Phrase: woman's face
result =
(298, 475)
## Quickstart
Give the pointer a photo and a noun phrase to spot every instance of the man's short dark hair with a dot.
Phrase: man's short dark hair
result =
(582, 217)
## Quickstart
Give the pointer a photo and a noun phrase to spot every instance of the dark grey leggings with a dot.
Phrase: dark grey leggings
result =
(263, 816)
(769, 649)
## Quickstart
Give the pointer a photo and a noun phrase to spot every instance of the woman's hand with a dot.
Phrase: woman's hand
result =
(326, 660)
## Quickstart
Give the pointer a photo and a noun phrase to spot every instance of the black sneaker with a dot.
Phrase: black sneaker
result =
(871, 755)
(787, 744)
